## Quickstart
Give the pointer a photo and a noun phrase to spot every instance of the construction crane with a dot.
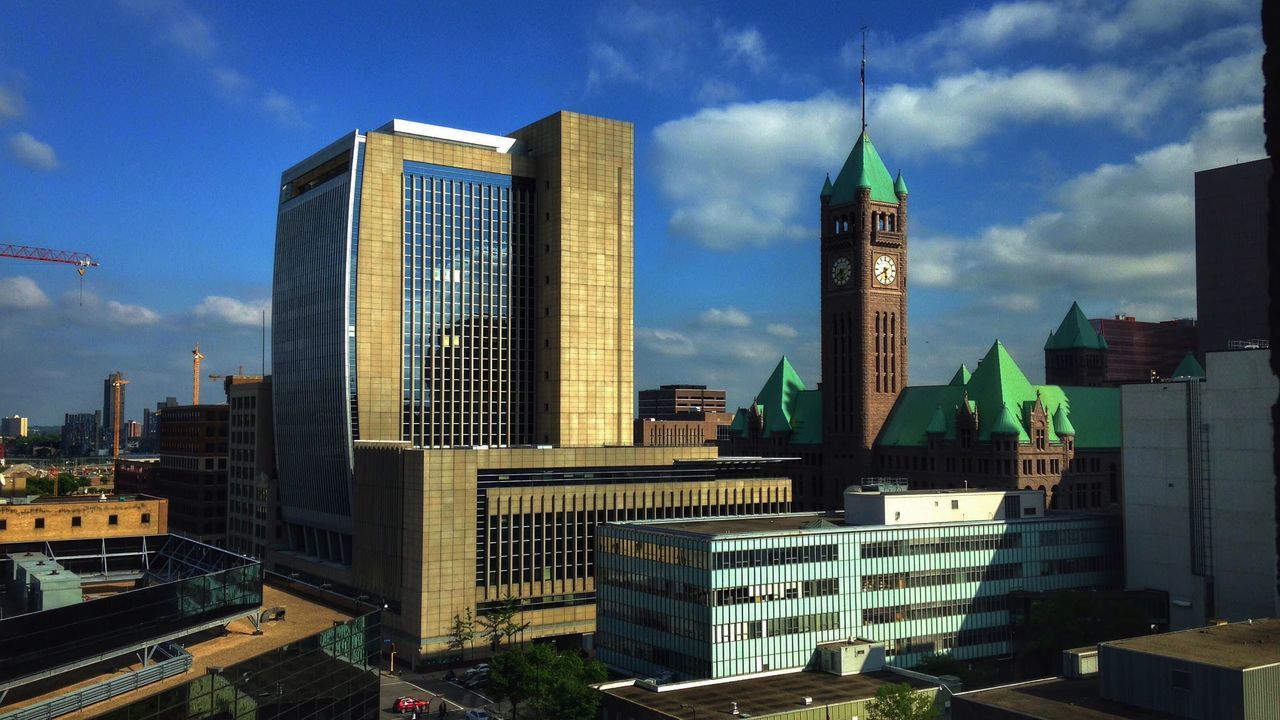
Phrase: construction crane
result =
(238, 373)
(196, 357)
(82, 261)
(117, 382)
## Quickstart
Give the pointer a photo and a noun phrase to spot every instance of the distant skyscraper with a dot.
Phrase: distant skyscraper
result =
(1231, 255)
(81, 433)
(448, 288)
(13, 427)
(109, 419)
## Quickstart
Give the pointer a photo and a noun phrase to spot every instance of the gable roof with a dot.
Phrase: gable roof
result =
(863, 168)
(1075, 332)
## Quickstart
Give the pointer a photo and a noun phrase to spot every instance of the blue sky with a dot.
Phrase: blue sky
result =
(1049, 149)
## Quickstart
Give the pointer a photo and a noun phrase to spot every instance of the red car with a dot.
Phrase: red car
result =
(407, 704)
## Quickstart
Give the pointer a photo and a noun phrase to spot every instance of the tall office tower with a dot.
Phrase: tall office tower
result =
(193, 470)
(13, 427)
(109, 419)
(251, 468)
(448, 288)
(1231, 256)
(81, 433)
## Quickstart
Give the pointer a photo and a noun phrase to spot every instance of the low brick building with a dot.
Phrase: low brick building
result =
(80, 517)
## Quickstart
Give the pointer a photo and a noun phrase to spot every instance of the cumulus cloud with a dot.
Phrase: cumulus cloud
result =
(230, 311)
(726, 317)
(131, 315)
(33, 153)
(958, 110)
(665, 342)
(1234, 79)
(781, 330)
(21, 293)
(958, 38)
(1121, 236)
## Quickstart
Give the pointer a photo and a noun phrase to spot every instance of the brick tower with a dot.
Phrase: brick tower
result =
(864, 311)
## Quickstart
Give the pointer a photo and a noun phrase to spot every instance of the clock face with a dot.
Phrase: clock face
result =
(885, 270)
(841, 271)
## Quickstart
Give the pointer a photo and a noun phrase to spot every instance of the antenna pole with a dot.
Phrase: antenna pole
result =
(264, 343)
(862, 78)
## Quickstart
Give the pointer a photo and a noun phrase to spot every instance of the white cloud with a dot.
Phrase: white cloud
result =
(665, 342)
(1234, 79)
(958, 38)
(1141, 19)
(131, 315)
(282, 108)
(232, 83)
(712, 166)
(745, 47)
(11, 104)
(229, 311)
(1121, 236)
(781, 330)
(21, 293)
(958, 110)
(177, 24)
(715, 91)
(727, 317)
(33, 153)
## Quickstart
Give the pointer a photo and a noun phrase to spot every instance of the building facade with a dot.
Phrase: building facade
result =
(441, 532)
(192, 472)
(81, 433)
(1115, 351)
(917, 572)
(253, 526)
(78, 518)
(704, 430)
(446, 288)
(1231, 255)
(1199, 496)
(13, 427)
(110, 422)
(993, 429)
(676, 402)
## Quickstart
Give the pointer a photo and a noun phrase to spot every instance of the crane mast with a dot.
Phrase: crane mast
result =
(196, 357)
(117, 382)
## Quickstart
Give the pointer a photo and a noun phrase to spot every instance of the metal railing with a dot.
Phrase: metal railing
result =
(170, 660)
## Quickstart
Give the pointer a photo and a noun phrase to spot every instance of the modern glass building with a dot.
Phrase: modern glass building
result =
(919, 572)
(447, 288)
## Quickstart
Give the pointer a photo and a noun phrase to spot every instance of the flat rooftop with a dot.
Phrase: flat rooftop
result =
(1235, 646)
(1056, 699)
(785, 523)
(303, 617)
(763, 695)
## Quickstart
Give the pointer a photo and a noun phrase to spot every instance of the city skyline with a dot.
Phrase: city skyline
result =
(1050, 152)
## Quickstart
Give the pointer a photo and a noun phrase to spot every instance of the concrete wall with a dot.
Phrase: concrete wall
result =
(863, 508)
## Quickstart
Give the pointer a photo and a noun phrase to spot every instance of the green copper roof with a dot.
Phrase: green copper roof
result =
(899, 185)
(1062, 423)
(778, 397)
(826, 187)
(998, 381)
(863, 168)
(1189, 367)
(961, 377)
(806, 419)
(1075, 332)
(1007, 423)
(739, 424)
(937, 423)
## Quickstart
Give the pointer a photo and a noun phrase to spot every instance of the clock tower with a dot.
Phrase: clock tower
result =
(864, 312)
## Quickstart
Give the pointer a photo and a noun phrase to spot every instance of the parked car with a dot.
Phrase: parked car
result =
(476, 680)
(481, 668)
(408, 704)
(478, 714)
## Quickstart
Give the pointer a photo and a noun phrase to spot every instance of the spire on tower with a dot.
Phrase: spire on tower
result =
(862, 78)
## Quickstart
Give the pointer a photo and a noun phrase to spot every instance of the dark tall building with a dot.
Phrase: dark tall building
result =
(109, 419)
(680, 402)
(252, 524)
(1231, 255)
(864, 311)
(193, 470)
(81, 433)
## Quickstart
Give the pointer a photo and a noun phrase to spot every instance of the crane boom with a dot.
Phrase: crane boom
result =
(69, 257)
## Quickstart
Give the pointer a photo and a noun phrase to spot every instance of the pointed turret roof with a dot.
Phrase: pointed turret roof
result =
(1189, 368)
(1062, 423)
(938, 423)
(826, 187)
(778, 397)
(961, 377)
(899, 185)
(863, 168)
(1075, 332)
(1007, 422)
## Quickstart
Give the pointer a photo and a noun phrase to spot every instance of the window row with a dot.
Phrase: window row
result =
(794, 555)
(929, 578)
(935, 545)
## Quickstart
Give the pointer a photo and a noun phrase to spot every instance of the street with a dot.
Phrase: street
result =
(457, 698)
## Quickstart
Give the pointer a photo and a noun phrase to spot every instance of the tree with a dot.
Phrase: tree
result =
(463, 632)
(549, 685)
(900, 702)
(499, 622)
